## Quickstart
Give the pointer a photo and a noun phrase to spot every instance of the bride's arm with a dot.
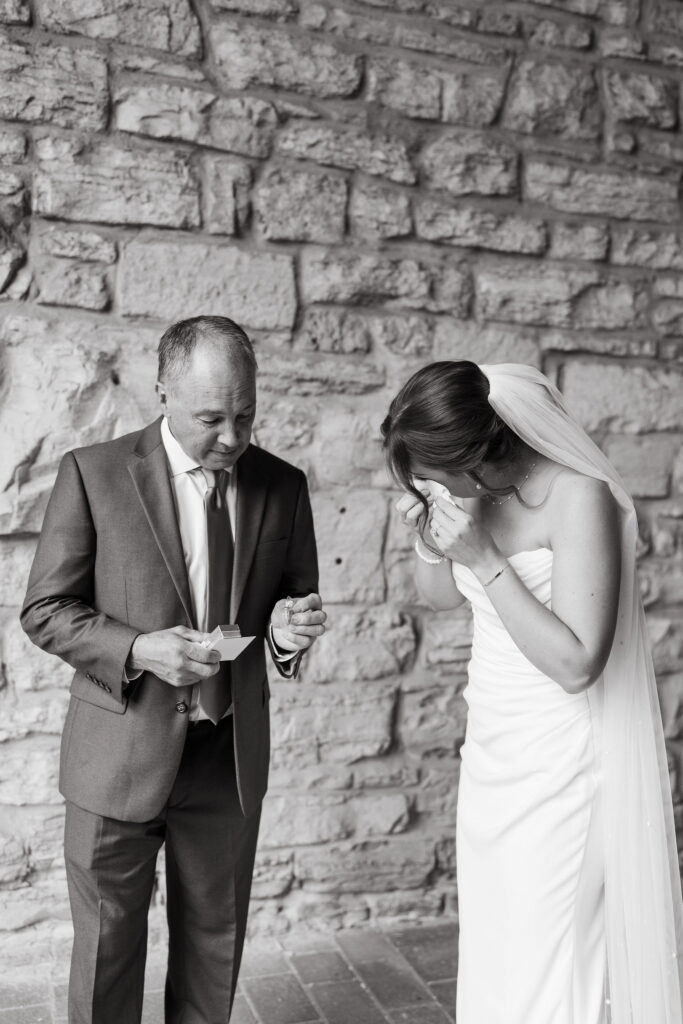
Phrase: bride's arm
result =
(571, 642)
(435, 584)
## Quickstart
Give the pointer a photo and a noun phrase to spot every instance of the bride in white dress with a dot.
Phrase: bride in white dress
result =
(568, 886)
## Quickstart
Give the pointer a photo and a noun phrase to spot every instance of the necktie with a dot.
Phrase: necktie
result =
(215, 693)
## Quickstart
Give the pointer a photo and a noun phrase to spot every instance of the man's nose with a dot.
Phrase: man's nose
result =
(228, 436)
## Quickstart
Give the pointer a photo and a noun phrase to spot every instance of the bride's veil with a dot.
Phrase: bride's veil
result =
(643, 911)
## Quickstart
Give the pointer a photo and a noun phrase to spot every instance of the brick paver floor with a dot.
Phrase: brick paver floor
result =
(402, 976)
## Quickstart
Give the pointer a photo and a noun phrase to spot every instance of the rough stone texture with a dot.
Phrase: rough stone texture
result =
(162, 24)
(107, 183)
(53, 84)
(625, 196)
(367, 187)
(304, 206)
(170, 281)
(166, 111)
(247, 56)
(553, 98)
(344, 146)
(470, 162)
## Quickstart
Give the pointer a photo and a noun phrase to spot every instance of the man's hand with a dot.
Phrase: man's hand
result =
(174, 655)
(295, 628)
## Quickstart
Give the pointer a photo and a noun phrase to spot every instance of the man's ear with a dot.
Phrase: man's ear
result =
(161, 393)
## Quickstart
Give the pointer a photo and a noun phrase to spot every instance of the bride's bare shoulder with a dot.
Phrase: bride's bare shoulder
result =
(580, 499)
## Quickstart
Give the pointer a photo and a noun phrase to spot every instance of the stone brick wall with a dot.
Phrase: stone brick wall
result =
(366, 186)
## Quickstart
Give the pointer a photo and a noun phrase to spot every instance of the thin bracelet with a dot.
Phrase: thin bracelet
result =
(499, 573)
(429, 561)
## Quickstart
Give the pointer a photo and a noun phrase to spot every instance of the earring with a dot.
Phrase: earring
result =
(478, 487)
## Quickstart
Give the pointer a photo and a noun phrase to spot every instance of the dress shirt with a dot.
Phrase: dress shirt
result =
(189, 485)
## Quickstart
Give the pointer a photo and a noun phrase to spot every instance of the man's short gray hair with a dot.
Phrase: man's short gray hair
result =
(179, 341)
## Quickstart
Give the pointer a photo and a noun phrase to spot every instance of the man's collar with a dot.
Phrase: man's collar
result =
(178, 459)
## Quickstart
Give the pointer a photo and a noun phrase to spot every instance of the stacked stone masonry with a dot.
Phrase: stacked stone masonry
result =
(366, 185)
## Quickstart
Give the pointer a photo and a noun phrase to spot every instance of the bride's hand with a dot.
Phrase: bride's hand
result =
(410, 509)
(461, 538)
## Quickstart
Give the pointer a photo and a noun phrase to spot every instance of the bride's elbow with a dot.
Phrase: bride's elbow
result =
(581, 675)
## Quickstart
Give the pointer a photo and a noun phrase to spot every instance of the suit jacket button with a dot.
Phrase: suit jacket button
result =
(107, 687)
(181, 707)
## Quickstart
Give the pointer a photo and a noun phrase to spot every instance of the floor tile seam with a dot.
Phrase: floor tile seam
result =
(423, 981)
(26, 1006)
(356, 977)
(406, 965)
(257, 1016)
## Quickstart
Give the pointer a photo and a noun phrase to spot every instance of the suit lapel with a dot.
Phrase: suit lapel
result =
(149, 470)
(252, 488)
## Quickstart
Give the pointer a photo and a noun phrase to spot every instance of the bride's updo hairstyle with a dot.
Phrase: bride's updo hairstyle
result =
(441, 418)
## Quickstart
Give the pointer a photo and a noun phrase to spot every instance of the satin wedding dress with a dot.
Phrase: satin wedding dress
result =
(529, 865)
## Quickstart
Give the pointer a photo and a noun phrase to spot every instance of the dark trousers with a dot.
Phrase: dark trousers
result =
(210, 848)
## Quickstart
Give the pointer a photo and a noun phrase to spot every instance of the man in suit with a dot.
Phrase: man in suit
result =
(150, 541)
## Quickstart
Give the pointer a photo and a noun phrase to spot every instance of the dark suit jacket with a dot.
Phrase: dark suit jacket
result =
(109, 566)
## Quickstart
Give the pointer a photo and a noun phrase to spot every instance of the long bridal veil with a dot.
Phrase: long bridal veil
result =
(643, 910)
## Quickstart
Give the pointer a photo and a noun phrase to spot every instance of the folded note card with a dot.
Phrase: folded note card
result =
(228, 641)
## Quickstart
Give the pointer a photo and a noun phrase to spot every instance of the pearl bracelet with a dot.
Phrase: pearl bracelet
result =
(499, 573)
(429, 561)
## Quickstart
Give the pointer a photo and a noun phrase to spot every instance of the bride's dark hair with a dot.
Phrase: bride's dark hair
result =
(441, 419)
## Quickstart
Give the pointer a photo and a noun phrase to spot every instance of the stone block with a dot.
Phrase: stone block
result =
(86, 404)
(613, 343)
(577, 241)
(432, 720)
(666, 638)
(75, 244)
(14, 867)
(72, 283)
(475, 228)
(173, 280)
(296, 205)
(311, 819)
(347, 449)
(667, 316)
(242, 125)
(225, 196)
(614, 12)
(671, 703)
(273, 875)
(553, 98)
(304, 374)
(644, 463)
(631, 196)
(28, 773)
(562, 35)
(168, 25)
(371, 866)
(27, 668)
(376, 211)
(102, 182)
(473, 99)
(348, 147)
(617, 42)
(32, 714)
(12, 145)
(642, 97)
(15, 564)
(53, 85)
(470, 162)
(447, 640)
(15, 12)
(247, 55)
(11, 258)
(661, 250)
(334, 276)
(485, 343)
(334, 724)
(624, 399)
(334, 330)
(360, 645)
(350, 529)
(557, 297)
(407, 88)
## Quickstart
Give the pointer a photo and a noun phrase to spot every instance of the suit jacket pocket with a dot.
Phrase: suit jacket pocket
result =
(84, 689)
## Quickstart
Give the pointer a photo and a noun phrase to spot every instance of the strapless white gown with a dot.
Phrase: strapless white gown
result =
(529, 864)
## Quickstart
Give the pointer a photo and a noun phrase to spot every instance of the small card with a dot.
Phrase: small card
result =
(228, 641)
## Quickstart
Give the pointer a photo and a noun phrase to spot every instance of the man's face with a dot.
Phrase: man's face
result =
(211, 405)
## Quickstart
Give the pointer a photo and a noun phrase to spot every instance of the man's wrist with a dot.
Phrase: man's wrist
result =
(135, 659)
